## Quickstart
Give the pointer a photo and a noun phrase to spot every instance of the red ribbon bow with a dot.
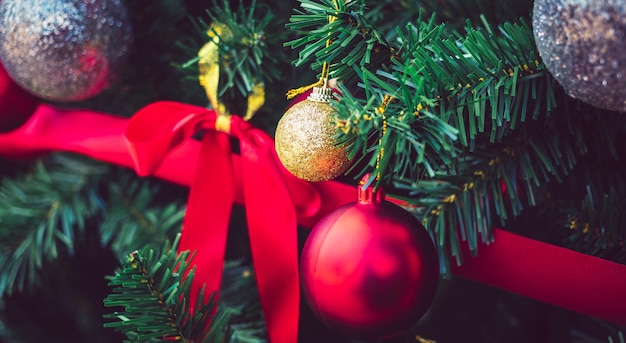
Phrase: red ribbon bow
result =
(160, 127)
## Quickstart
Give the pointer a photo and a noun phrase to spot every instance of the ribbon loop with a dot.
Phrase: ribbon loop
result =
(158, 128)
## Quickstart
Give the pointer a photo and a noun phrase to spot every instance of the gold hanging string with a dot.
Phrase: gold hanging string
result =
(292, 93)
(325, 66)
(209, 74)
(381, 110)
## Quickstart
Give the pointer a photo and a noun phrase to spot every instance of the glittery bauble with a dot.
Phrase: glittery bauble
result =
(63, 50)
(306, 144)
(582, 44)
(369, 270)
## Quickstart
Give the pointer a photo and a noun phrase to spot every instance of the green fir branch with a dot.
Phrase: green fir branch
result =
(133, 219)
(598, 225)
(240, 295)
(153, 288)
(42, 213)
(409, 145)
(446, 136)
(498, 183)
(451, 92)
(467, 84)
(346, 42)
(45, 213)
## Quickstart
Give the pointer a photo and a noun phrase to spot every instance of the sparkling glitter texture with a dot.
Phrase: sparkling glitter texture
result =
(305, 142)
(63, 50)
(582, 44)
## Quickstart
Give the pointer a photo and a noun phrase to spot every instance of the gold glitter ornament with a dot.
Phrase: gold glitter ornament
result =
(305, 139)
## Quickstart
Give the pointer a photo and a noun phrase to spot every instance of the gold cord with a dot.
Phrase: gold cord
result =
(381, 109)
(292, 93)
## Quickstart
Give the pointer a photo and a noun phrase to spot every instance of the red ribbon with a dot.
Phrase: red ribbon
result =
(540, 271)
(161, 127)
(551, 274)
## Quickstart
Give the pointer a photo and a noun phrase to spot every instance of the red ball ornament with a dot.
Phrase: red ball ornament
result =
(369, 269)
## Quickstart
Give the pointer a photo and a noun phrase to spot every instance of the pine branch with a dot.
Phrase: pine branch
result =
(42, 213)
(445, 88)
(499, 183)
(47, 211)
(239, 294)
(347, 41)
(133, 219)
(351, 40)
(154, 291)
(598, 225)
(488, 81)
(449, 93)
(410, 143)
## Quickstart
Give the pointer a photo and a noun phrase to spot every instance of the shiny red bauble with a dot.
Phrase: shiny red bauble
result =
(369, 269)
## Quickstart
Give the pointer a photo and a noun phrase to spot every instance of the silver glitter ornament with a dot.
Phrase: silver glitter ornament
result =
(582, 44)
(63, 50)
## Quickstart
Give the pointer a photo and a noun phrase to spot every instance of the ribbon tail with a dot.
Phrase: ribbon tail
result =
(205, 227)
(273, 238)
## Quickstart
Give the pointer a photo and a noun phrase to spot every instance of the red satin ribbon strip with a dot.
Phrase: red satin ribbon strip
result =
(551, 274)
(205, 227)
(273, 216)
(554, 275)
(161, 127)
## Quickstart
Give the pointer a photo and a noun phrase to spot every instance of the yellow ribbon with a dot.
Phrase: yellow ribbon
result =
(256, 99)
(209, 70)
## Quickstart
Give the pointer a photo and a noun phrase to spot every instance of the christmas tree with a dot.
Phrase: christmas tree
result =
(493, 127)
